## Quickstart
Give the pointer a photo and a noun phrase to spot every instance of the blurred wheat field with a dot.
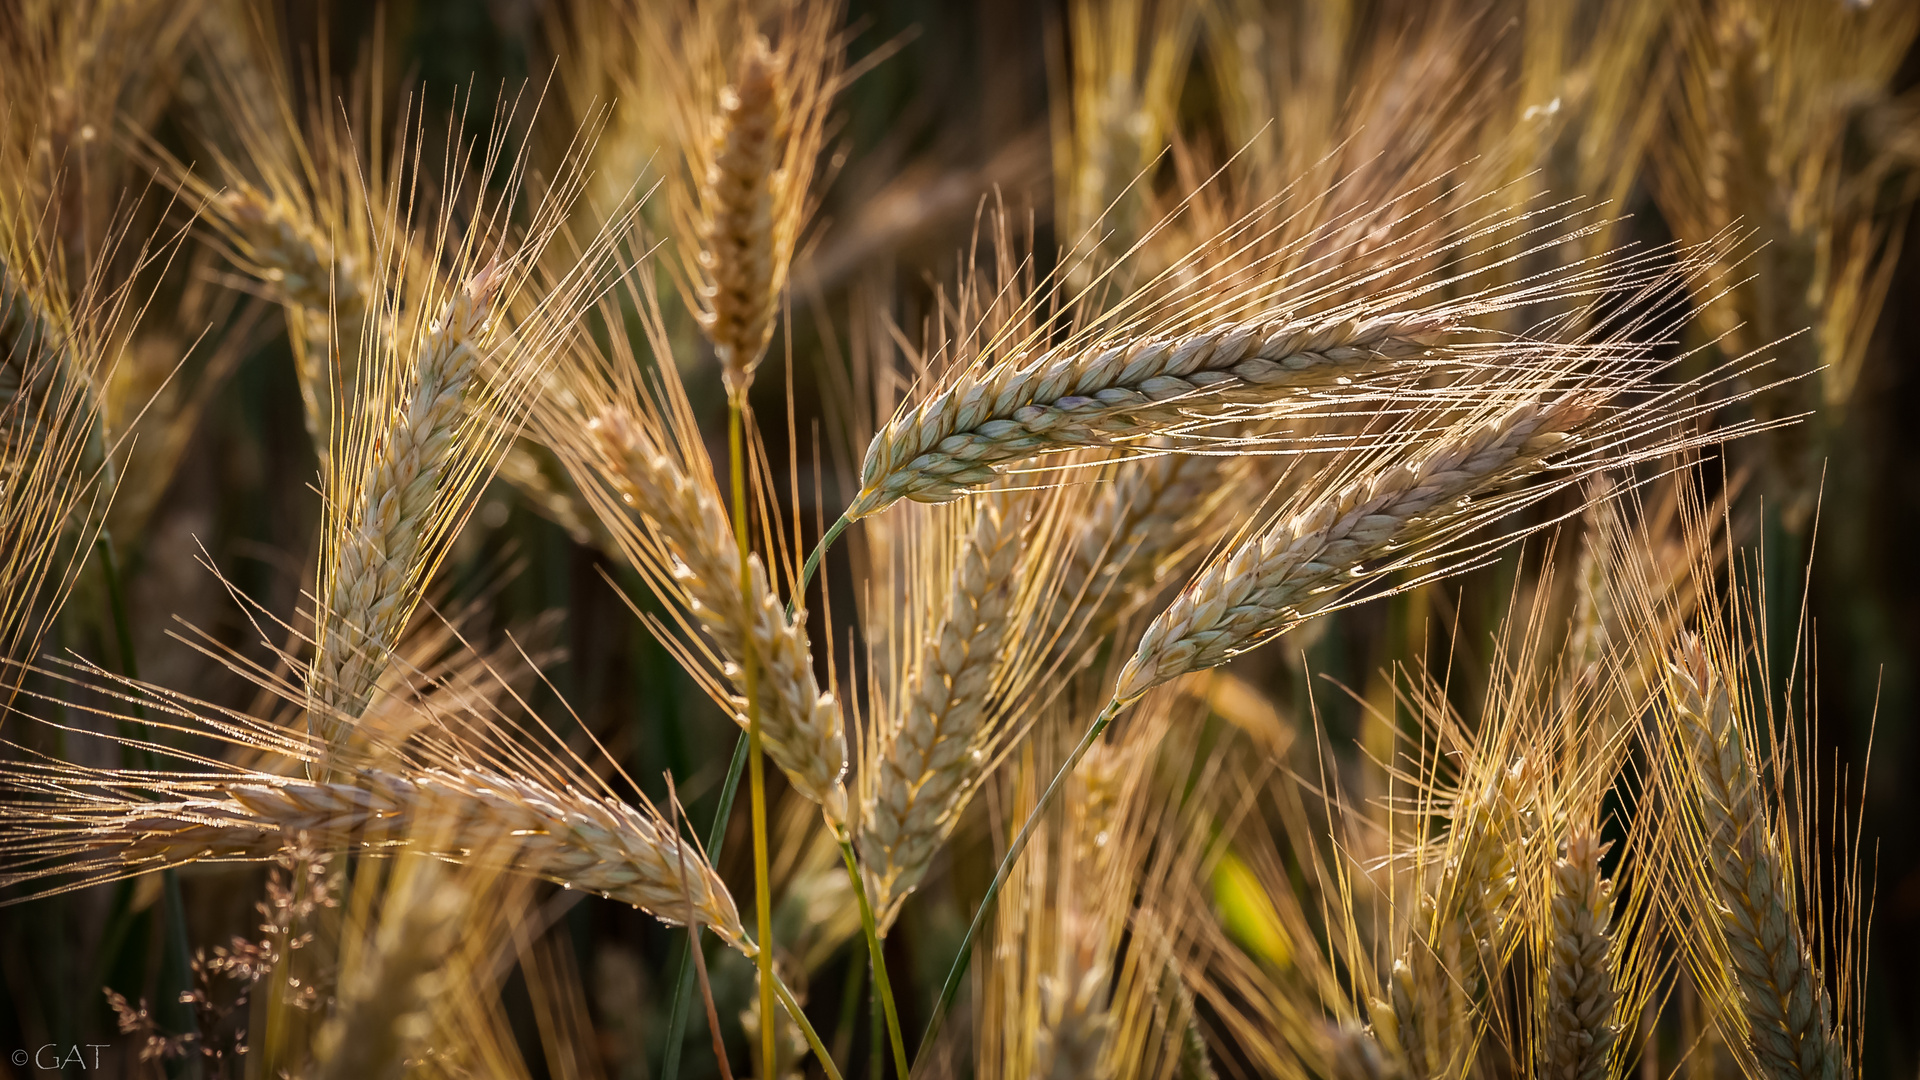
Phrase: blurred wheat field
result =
(1110, 538)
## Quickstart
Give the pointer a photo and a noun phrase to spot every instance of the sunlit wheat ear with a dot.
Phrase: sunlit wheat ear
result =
(1103, 393)
(691, 549)
(76, 826)
(379, 551)
(450, 355)
(749, 111)
(1267, 583)
(1582, 1026)
(1789, 1014)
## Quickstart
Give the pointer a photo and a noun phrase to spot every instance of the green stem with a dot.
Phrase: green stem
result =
(952, 987)
(813, 561)
(806, 1026)
(756, 757)
(882, 986)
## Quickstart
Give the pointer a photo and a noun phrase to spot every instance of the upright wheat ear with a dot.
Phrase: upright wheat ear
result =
(385, 1007)
(799, 722)
(742, 293)
(370, 594)
(1582, 1028)
(1789, 1015)
(928, 761)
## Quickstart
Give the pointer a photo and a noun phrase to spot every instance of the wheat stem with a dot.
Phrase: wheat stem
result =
(951, 988)
(756, 769)
(883, 986)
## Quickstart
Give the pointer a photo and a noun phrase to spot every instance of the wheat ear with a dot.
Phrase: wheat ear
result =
(929, 761)
(1441, 984)
(369, 595)
(1260, 586)
(1581, 1025)
(742, 290)
(595, 844)
(1074, 1026)
(1789, 1015)
(385, 1011)
(1018, 407)
(800, 723)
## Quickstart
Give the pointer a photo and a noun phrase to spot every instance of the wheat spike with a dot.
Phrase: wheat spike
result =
(1789, 1014)
(800, 723)
(1440, 985)
(928, 764)
(597, 844)
(1074, 1025)
(749, 113)
(1021, 406)
(736, 198)
(384, 1014)
(1261, 585)
(1582, 1027)
(382, 541)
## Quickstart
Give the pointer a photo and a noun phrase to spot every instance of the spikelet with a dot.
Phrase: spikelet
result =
(1789, 1014)
(800, 724)
(749, 114)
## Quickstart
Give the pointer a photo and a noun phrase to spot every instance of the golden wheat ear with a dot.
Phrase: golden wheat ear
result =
(748, 102)
(455, 351)
(627, 436)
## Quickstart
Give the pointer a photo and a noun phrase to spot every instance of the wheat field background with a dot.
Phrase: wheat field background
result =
(1097, 538)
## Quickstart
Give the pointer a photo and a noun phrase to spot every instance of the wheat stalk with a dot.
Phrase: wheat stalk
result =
(800, 723)
(91, 823)
(1581, 1023)
(1262, 584)
(1788, 1011)
(1025, 405)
